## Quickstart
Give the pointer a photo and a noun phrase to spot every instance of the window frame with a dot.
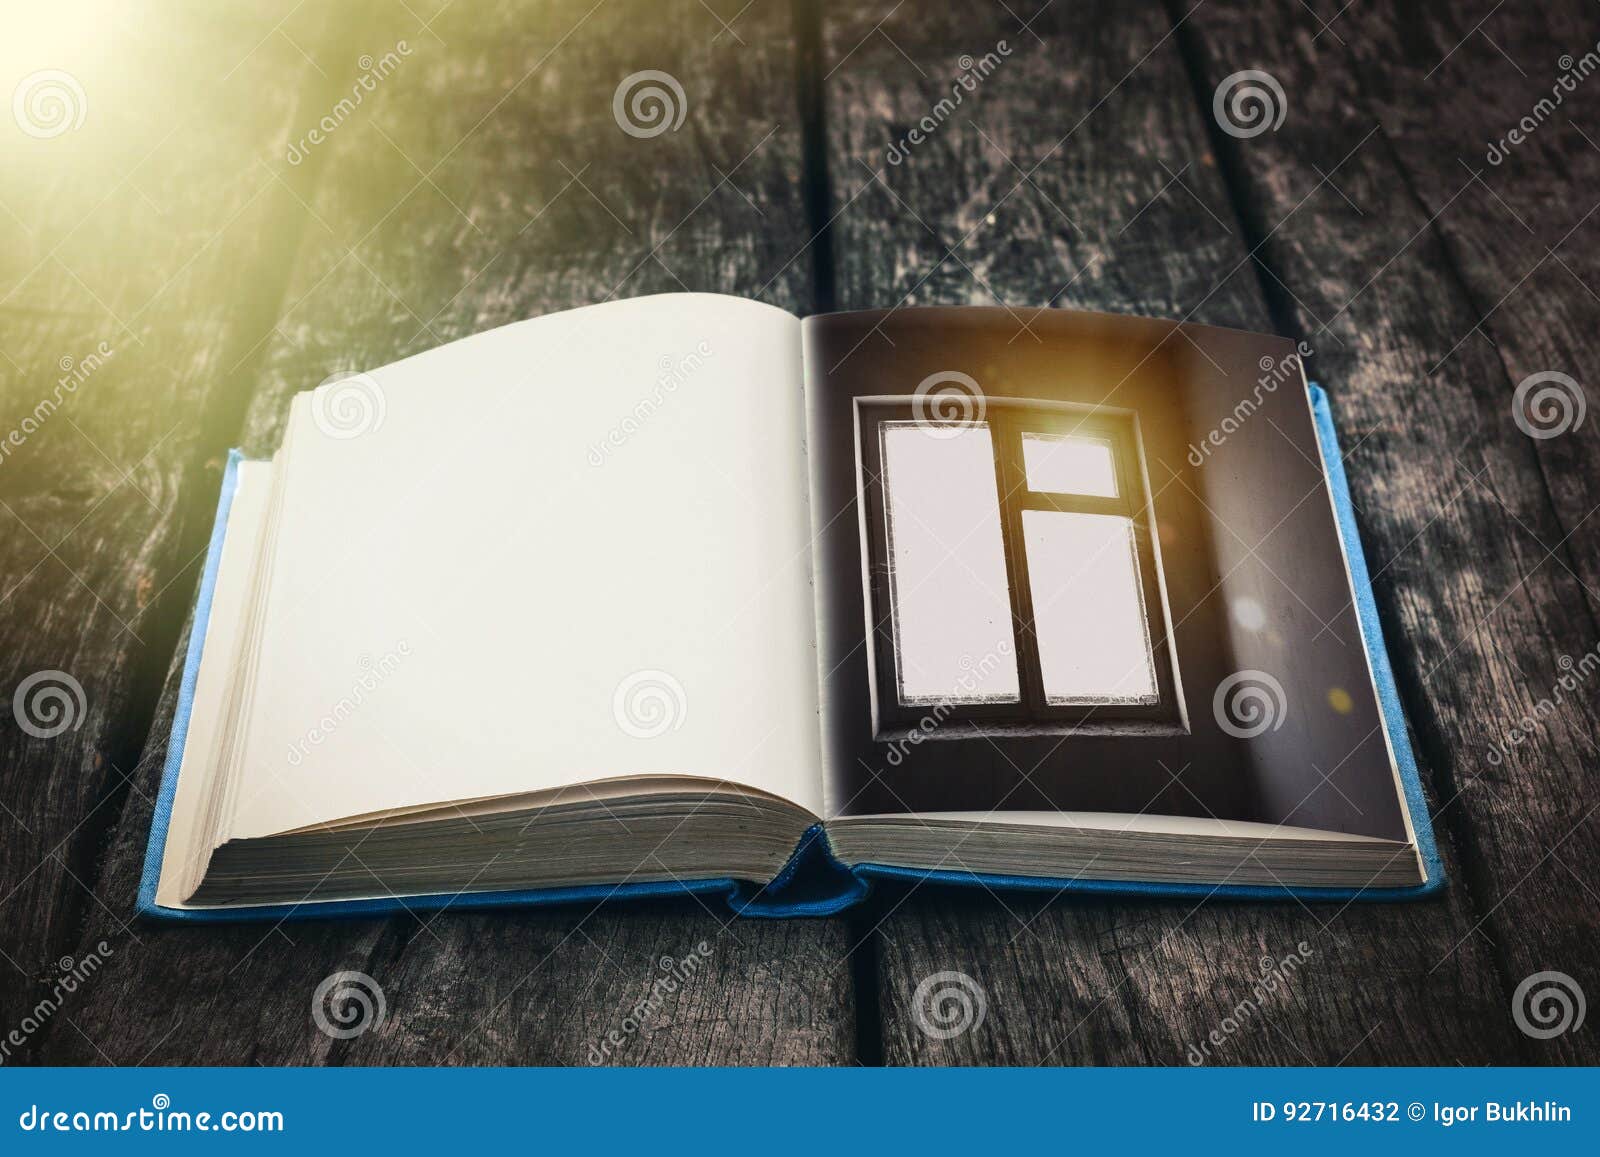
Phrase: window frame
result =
(1008, 420)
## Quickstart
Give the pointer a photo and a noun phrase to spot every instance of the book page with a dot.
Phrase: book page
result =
(569, 549)
(220, 666)
(1067, 573)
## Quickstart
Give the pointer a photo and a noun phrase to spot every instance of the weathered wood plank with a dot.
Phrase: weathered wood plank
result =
(142, 250)
(483, 181)
(1431, 284)
(1079, 173)
(1515, 218)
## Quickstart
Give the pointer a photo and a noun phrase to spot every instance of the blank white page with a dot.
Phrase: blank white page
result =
(568, 549)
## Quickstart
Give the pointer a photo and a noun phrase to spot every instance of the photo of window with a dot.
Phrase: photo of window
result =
(1014, 574)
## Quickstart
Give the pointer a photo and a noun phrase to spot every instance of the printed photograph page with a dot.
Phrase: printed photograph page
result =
(1040, 595)
(571, 549)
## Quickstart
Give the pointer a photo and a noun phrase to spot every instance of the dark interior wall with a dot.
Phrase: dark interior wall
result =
(1072, 357)
(1299, 670)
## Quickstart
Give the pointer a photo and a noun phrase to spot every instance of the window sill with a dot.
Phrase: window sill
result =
(967, 730)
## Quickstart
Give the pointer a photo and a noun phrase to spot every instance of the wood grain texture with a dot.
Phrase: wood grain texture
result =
(1517, 221)
(1431, 284)
(483, 181)
(141, 254)
(1079, 173)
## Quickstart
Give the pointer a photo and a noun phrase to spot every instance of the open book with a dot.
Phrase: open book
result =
(684, 593)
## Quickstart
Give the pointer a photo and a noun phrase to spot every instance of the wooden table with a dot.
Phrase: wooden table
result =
(228, 258)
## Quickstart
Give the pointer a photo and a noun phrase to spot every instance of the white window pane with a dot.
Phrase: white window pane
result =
(1068, 465)
(1088, 608)
(947, 566)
